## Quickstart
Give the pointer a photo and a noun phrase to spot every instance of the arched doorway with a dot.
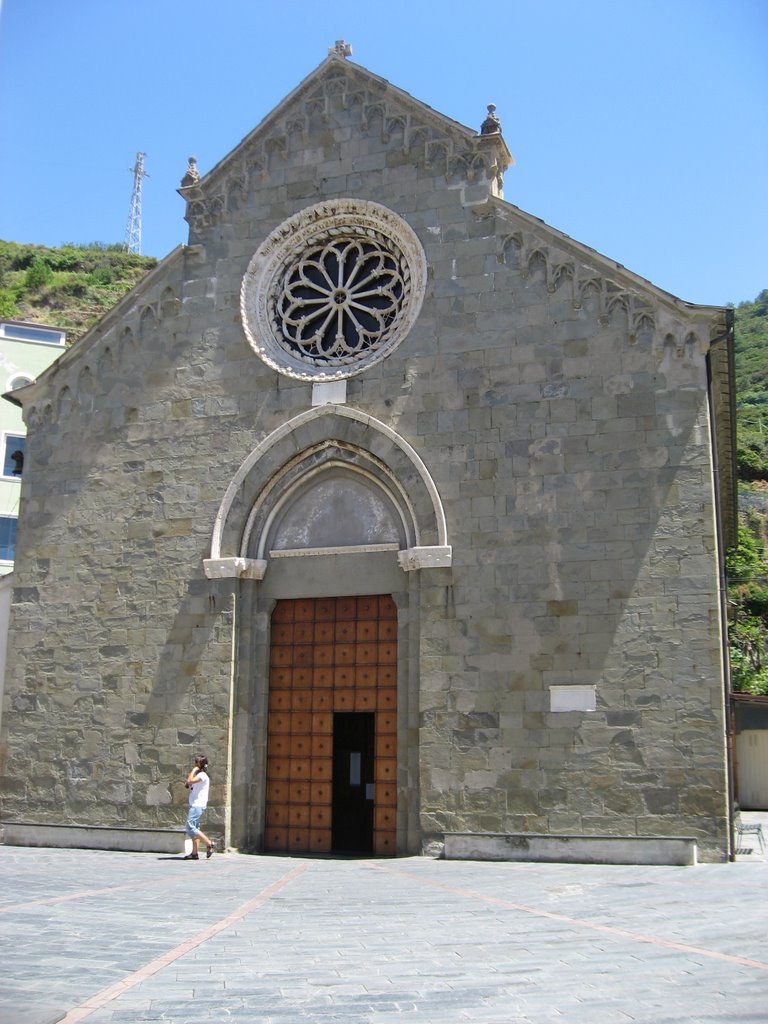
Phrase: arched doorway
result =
(324, 530)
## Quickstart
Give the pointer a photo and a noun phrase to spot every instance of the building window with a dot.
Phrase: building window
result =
(7, 538)
(32, 332)
(13, 455)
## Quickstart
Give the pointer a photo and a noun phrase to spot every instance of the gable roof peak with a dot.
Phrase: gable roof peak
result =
(339, 84)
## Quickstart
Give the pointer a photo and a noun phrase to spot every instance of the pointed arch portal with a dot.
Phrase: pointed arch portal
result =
(340, 509)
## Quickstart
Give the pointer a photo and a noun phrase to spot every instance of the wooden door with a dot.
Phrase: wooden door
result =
(329, 657)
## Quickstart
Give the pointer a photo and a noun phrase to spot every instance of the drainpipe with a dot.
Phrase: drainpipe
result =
(728, 338)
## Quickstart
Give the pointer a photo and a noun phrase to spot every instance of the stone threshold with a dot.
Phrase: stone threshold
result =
(92, 837)
(570, 849)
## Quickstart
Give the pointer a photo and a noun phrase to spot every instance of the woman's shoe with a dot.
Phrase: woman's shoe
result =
(192, 856)
(209, 851)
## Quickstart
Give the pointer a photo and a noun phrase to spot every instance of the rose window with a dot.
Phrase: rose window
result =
(333, 290)
(340, 299)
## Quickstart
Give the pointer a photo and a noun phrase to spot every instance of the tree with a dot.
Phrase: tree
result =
(38, 274)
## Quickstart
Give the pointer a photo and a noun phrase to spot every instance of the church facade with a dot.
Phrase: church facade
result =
(403, 507)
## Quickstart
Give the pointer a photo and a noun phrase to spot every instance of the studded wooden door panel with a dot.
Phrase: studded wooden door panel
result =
(328, 655)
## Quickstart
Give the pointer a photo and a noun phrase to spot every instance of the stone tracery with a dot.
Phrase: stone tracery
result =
(333, 289)
(341, 298)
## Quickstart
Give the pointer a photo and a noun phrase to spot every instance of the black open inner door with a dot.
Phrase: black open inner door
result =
(353, 787)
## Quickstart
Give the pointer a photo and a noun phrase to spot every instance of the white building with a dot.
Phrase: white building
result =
(25, 351)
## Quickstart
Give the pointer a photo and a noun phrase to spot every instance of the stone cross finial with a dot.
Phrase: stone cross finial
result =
(491, 124)
(340, 48)
(192, 177)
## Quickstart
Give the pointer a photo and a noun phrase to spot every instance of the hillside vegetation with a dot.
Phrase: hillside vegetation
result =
(748, 565)
(70, 286)
(73, 285)
(752, 388)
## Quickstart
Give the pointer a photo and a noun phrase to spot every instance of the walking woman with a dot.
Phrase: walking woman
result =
(198, 783)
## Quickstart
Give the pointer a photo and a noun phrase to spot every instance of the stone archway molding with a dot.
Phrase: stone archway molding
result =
(222, 566)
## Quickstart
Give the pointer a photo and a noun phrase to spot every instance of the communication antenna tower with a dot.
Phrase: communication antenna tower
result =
(133, 231)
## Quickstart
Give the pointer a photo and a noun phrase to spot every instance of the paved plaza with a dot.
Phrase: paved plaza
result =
(127, 937)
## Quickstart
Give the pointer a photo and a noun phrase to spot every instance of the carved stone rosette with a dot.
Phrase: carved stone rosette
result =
(333, 290)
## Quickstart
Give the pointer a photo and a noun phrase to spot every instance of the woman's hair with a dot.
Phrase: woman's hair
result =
(202, 762)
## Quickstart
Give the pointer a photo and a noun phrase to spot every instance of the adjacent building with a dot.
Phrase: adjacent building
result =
(404, 507)
(26, 350)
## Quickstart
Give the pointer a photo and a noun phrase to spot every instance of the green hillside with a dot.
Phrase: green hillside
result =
(748, 564)
(70, 286)
(752, 388)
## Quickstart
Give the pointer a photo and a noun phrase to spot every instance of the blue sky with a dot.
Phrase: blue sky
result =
(639, 128)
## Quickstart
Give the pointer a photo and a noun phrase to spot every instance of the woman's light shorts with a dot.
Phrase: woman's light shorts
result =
(193, 820)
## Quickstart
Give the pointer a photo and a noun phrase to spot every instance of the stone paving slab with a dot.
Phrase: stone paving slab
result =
(113, 938)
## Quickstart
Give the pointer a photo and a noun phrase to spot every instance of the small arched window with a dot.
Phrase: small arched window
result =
(19, 382)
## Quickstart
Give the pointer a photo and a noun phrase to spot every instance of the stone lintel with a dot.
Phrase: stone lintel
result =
(433, 557)
(234, 568)
(347, 549)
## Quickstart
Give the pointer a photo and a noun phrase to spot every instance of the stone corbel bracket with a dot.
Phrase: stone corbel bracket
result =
(235, 568)
(436, 557)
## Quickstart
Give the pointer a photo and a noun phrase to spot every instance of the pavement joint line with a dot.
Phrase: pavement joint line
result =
(114, 991)
(85, 893)
(606, 929)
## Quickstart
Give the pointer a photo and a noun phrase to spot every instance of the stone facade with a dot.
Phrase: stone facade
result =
(550, 510)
